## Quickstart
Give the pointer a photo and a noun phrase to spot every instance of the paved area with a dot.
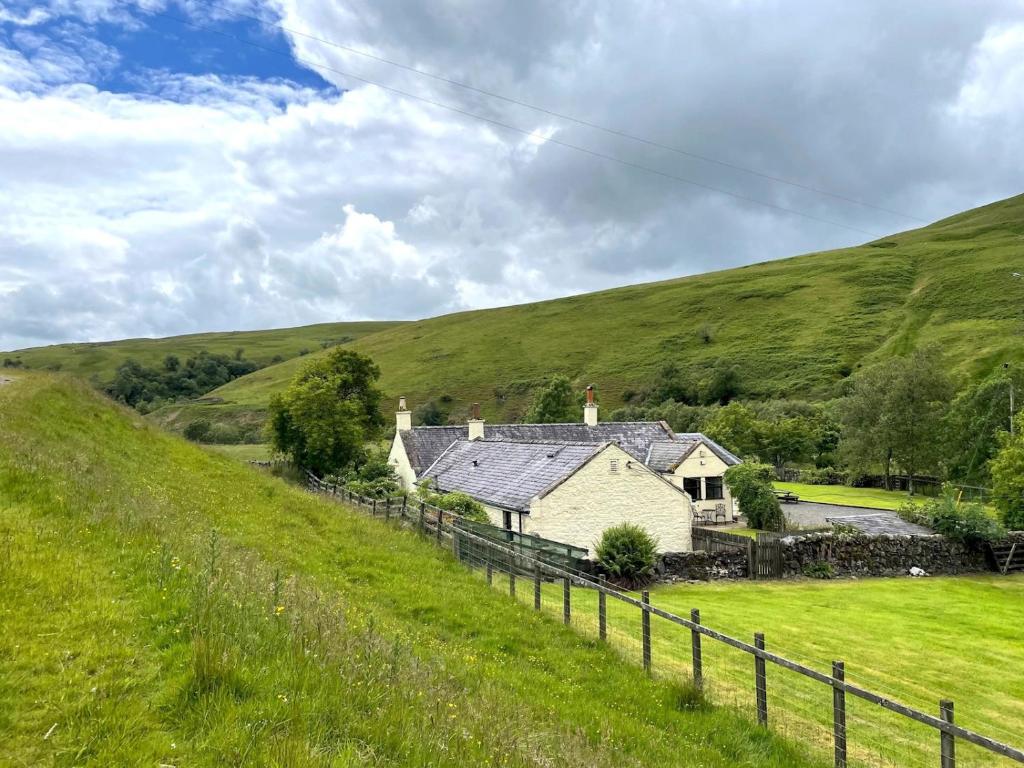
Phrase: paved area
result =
(811, 514)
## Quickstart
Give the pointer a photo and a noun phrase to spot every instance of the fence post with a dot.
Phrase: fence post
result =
(839, 713)
(490, 572)
(566, 606)
(698, 663)
(387, 509)
(373, 511)
(511, 579)
(760, 681)
(602, 610)
(405, 505)
(645, 625)
(536, 586)
(948, 745)
(752, 559)
(455, 541)
(437, 528)
(423, 511)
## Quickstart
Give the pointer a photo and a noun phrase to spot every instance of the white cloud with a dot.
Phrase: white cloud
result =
(205, 202)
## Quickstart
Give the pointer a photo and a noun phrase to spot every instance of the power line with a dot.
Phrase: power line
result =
(507, 126)
(563, 116)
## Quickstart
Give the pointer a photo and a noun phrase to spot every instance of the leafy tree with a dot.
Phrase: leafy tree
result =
(375, 478)
(555, 403)
(141, 386)
(1008, 477)
(430, 414)
(328, 413)
(671, 384)
(974, 422)
(722, 385)
(894, 415)
(736, 427)
(751, 485)
(627, 553)
(786, 440)
(198, 430)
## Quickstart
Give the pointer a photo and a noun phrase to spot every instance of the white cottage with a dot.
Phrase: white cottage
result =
(568, 492)
(598, 474)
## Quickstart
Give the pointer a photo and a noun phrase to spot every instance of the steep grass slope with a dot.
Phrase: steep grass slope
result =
(101, 359)
(164, 605)
(795, 327)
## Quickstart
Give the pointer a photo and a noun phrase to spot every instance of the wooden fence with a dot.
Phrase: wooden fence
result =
(445, 529)
(764, 554)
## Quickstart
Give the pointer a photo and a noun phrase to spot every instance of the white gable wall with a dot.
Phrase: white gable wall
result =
(595, 498)
(399, 461)
(703, 463)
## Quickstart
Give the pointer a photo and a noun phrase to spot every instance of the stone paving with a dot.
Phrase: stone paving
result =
(811, 514)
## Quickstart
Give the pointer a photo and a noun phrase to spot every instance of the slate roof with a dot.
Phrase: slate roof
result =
(508, 474)
(666, 455)
(423, 445)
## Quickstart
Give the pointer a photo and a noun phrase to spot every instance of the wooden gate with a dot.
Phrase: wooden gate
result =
(767, 557)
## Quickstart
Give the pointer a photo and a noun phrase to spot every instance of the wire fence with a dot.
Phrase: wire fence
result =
(823, 709)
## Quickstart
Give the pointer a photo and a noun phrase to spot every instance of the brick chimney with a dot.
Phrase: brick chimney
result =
(476, 424)
(590, 409)
(403, 417)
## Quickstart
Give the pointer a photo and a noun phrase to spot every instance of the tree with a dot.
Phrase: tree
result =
(736, 427)
(430, 414)
(328, 413)
(974, 422)
(722, 384)
(751, 486)
(555, 403)
(671, 384)
(786, 440)
(1008, 477)
(894, 415)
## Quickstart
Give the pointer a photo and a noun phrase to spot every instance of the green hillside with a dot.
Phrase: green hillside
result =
(101, 359)
(162, 605)
(795, 327)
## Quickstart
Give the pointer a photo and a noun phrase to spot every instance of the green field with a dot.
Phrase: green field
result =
(850, 497)
(164, 605)
(915, 641)
(795, 327)
(259, 452)
(100, 359)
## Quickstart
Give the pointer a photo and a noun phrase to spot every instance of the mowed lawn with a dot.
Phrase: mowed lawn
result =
(878, 498)
(914, 640)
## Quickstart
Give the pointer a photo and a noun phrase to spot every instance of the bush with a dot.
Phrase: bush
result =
(751, 486)
(627, 553)
(223, 434)
(824, 476)
(819, 570)
(197, 431)
(965, 522)
(458, 503)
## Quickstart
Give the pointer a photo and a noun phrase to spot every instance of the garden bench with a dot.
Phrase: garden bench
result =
(787, 497)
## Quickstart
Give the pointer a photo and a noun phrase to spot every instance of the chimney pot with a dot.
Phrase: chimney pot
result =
(590, 394)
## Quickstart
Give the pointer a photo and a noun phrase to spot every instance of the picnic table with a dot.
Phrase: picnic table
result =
(786, 497)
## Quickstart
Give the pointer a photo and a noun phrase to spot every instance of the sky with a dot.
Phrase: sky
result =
(177, 167)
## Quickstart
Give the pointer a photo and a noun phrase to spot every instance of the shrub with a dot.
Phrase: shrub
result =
(461, 504)
(751, 486)
(819, 570)
(197, 431)
(627, 554)
(965, 522)
(223, 434)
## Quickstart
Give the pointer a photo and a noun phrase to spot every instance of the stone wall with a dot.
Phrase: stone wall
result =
(884, 555)
(701, 566)
(847, 555)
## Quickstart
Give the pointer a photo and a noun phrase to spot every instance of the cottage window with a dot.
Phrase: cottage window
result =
(713, 487)
(692, 486)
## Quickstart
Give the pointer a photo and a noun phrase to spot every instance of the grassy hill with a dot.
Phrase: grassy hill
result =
(100, 359)
(795, 327)
(160, 604)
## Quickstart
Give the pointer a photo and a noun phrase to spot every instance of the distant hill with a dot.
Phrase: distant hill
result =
(795, 327)
(101, 359)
